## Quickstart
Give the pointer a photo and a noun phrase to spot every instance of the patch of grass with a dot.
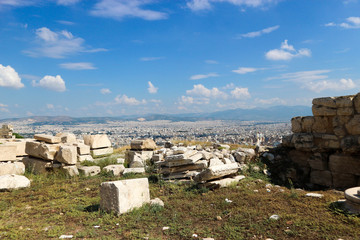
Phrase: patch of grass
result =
(101, 162)
(55, 205)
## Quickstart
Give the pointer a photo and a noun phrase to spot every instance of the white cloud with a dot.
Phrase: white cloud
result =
(65, 22)
(58, 44)
(198, 5)
(123, 99)
(52, 83)
(244, 70)
(259, 33)
(67, 2)
(152, 89)
(186, 100)
(229, 86)
(201, 90)
(16, 3)
(105, 91)
(119, 9)
(240, 93)
(78, 66)
(148, 59)
(202, 76)
(269, 101)
(49, 106)
(211, 62)
(287, 52)
(9, 78)
(351, 22)
(3, 105)
(317, 81)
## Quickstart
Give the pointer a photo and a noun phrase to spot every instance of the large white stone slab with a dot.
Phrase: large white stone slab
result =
(7, 152)
(20, 147)
(125, 195)
(97, 141)
(17, 168)
(8, 182)
(47, 138)
(102, 152)
(42, 150)
(116, 169)
(217, 171)
(89, 170)
(134, 170)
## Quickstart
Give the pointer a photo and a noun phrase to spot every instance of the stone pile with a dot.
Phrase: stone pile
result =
(50, 153)
(208, 167)
(140, 152)
(100, 145)
(6, 131)
(325, 147)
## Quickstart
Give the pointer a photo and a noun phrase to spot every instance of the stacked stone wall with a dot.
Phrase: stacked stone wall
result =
(325, 147)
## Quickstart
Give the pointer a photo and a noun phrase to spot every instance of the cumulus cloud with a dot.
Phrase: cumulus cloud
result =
(350, 22)
(78, 66)
(123, 99)
(148, 59)
(52, 83)
(198, 5)
(259, 33)
(50, 106)
(10, 78)
(287, 52)
(202, 76)
(105, 91)
(119, 9)
(240, 93)
(317, 81)
(58, 44)
(244, 70)
(201, 90)
(152, 89)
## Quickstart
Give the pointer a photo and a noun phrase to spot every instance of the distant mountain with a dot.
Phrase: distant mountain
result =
(277, 113)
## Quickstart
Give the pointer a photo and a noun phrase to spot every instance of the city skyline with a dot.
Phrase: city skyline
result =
(118, 57)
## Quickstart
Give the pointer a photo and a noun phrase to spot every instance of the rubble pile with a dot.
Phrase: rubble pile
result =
(325, 148)
(6, 131)
(208, 167)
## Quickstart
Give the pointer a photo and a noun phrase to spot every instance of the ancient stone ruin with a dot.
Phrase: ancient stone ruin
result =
(6, 131)
(324, 149)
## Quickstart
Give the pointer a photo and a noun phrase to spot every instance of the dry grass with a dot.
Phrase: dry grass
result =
(55, 205)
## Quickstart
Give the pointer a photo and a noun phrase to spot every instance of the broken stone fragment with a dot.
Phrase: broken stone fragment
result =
(66, 137)
(17, 168)
(102, 152)
(12, 181)
(217, 172)
(47, 138)
(67, 155)
(199, 165)
(42, 150)
(134, 170)
(115, 169)
(89, 170)
(97, 141)
(7, 152)
(143, 144)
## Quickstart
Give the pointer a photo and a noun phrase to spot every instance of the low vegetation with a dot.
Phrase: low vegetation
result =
(55, 205)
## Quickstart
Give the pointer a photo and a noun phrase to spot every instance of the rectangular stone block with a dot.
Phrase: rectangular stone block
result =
(326, 141)
(325, 101)
(323, 178)
(344, 164)
(125, 195)
(345, 111)
(143, 144)
(226, 182)
(217, 171)
(343, 181)
(47, 138)
(323, 125)
(303, 141)
(181, 175)
(42, 150)
(101, 152)
(97, 141)
(199, 165)
(20, 147)
(307, 124)
(300, 157)
(344, 101)
(7, 152)
(318, 161)
(320, 111)
(353, 126)
(82, 149)
(67, 155)
(36, 166)
(17, 168)
(296, 124)
(82, 158)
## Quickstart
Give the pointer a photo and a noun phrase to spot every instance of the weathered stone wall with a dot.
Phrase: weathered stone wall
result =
(325, 148)
(6, 131)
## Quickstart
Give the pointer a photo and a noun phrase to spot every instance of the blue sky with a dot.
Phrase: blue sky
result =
(123, 57)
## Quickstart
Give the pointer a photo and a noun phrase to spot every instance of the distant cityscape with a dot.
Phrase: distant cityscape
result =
(121, 133)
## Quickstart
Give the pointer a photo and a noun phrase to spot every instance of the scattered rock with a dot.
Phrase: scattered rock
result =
(315, 195)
